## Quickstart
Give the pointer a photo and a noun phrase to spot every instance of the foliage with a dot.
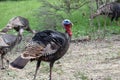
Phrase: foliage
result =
(51, 13)
(117, 0)
(50, 16)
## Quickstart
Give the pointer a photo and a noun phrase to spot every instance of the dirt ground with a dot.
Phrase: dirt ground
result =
(93, 60)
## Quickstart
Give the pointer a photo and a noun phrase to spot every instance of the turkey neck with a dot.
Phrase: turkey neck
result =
(68, 29)
(68, 36)
(19, 37)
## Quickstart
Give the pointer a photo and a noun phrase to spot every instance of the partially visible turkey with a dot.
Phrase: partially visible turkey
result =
(8, 41)
(47, 45)
(111, 10)
(16, 23)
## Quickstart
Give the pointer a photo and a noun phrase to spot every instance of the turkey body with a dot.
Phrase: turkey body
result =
(7, 43)
(111, 9)
(58, 41)
(47, 45)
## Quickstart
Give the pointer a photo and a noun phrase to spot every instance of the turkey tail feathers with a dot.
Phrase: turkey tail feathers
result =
(19, 63)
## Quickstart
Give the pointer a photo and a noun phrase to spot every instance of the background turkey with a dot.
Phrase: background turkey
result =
(47, 45)
(111, 10)
(17, 23)
(8, 41)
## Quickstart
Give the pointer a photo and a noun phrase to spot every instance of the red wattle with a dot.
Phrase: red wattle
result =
(68, 29)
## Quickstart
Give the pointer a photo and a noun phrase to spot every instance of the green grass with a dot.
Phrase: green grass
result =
(27, 9)
(80, 76)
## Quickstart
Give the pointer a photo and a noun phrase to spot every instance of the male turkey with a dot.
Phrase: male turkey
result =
(111, 9)
(47, 45)
(8, 41)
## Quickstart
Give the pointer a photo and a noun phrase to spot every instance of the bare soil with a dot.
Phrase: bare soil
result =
(93, 60)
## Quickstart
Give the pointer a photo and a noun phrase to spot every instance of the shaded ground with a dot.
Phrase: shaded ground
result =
(94, 60)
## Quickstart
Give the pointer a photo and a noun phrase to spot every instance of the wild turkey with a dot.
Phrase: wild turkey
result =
(17, 23)
(8, 41)
(47, 45)
(111, 9)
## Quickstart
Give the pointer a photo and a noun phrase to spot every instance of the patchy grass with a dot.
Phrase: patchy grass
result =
(94, 60)
(80, 75)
